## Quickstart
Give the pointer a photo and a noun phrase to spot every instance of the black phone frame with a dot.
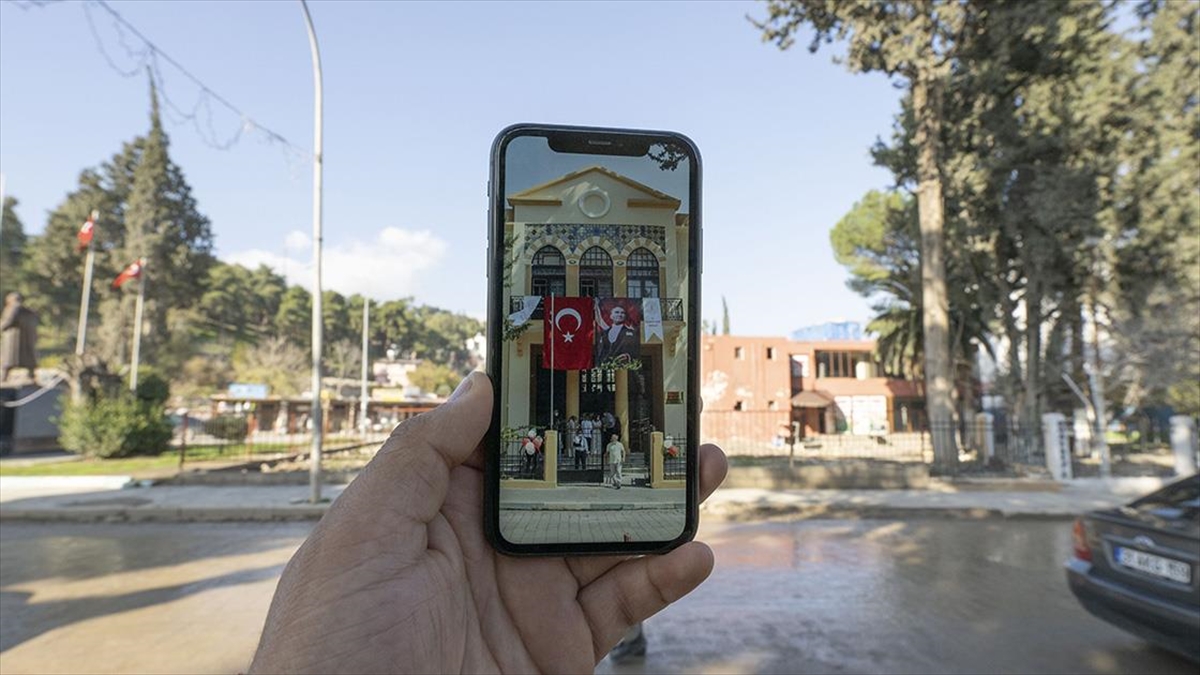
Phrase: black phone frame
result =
(602, 141)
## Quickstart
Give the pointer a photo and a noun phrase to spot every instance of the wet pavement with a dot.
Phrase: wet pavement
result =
(787, 597)
(916, 596)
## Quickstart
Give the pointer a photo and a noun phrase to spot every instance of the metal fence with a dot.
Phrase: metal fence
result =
(770, 433)
(514, 463)
(580, 467)
(675, 466)
(242, 435)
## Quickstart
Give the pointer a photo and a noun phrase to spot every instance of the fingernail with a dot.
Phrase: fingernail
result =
(463, 388)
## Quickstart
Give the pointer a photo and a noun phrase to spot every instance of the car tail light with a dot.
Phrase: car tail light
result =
(1079, 540)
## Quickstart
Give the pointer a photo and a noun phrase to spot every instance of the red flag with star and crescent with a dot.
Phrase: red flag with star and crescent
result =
(134, 271)
(570, 324)
(86, 232)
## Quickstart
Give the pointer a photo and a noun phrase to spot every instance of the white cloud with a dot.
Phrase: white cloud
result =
(297, 241)
(386, 268)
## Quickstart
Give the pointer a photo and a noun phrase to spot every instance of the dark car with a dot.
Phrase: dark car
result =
(1136, 566)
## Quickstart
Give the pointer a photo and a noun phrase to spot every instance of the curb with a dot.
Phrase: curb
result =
(724, 512)
(749, 512)
(163, 515)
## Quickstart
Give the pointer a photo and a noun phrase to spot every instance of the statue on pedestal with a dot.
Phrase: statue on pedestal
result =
(18, 337)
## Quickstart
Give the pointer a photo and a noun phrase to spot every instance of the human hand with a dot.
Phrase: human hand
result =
(398, 577)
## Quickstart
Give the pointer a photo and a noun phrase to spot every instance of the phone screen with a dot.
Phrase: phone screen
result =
(597, 255)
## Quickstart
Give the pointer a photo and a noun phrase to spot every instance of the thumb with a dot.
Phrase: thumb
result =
(453, 429)
(410, 475)
(422, 450)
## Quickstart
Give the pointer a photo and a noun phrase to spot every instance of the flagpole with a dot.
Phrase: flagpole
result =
(86, 298)
(553, 363)
(137, 324)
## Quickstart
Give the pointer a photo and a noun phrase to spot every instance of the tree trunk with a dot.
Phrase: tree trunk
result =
(927, 108)
(1033, 361)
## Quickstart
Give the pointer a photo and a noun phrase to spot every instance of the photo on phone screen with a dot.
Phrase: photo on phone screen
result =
(596, 373)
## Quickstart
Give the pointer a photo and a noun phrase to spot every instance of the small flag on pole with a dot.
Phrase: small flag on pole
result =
(134, 271)
(86, 232)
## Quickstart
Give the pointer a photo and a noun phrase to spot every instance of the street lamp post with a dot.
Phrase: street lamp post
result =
(314, 477)
(364, 395)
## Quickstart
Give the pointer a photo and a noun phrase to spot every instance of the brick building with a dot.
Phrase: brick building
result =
(827, 386)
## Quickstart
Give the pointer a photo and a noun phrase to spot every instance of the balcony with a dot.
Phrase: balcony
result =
(672, 308)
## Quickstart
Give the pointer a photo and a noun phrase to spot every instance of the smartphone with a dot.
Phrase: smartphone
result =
(594, 262)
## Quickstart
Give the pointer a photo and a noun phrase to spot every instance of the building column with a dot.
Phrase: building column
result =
(621, 406)
(573, 280)
(656, 459)
(572, 394)
(620, 281)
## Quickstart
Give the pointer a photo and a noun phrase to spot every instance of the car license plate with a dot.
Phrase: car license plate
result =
(1155, 565)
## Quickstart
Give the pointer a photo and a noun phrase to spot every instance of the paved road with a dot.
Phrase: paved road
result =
(811, 596)
(918, 596)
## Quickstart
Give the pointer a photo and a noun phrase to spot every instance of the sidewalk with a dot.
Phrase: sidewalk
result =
(590, 498)
(102, 498)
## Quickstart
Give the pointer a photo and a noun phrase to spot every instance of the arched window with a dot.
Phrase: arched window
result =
(643, 274)
(549, 272)
(596, 273)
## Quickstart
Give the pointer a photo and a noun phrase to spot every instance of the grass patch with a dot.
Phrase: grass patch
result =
(168, 461)
(149, 464)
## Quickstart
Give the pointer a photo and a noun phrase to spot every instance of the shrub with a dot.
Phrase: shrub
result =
(119, 426)
(227, 427)
(153, 390)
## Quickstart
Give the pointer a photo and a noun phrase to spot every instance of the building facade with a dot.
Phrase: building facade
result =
(595, 233)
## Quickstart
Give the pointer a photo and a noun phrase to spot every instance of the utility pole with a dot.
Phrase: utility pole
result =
(365, 360)
(314, 474)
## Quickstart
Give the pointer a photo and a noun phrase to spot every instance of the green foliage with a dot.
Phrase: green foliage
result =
(274, 361)
(12, 247)
(207, 323)
(1070, 170)
(152, 390)
(293, 319)
(433, 377)
(202, 375)
(227, 427)
(114, 426)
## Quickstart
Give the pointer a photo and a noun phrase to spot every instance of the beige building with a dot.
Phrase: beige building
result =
(596, 233)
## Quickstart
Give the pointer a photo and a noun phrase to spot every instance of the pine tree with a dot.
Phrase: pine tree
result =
(12, 247)
(163, 226)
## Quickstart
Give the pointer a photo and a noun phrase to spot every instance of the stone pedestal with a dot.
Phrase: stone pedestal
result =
(1183, 444)
(1058, 450)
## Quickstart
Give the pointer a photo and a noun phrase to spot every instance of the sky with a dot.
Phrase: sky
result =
(414, 95)
(529, 162)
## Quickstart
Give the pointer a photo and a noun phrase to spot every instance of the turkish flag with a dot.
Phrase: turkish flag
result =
(134, 271)
(570, 324)
(85, 232)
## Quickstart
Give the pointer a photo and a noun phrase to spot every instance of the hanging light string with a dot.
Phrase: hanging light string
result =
(144, 54)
